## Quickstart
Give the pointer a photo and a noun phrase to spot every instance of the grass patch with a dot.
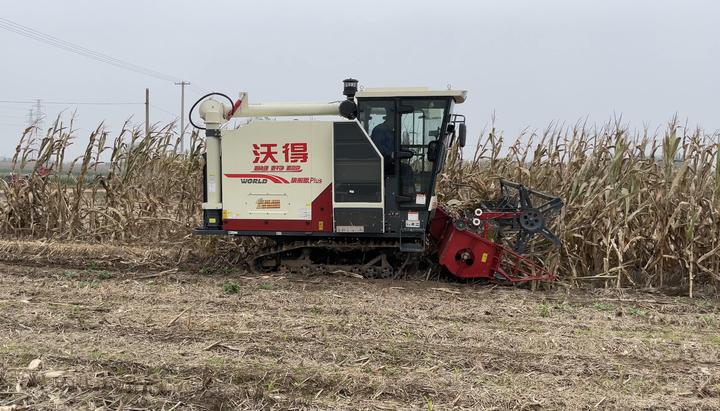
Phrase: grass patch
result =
(544, 310)
(637, 312)
(708, 320)
(92, 265)
(231, 288)
(429, 402)
(265, 286)
(216, 269)
(103, 275)
(215, 361)
(564, 307)
(89, 284)
(662, 335)
(603, 307)
(69, 274)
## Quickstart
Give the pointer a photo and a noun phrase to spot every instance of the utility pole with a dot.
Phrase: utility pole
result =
(147, 112)
(182, 85)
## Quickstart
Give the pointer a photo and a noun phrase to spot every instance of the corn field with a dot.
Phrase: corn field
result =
(641, 209)
(124, 188)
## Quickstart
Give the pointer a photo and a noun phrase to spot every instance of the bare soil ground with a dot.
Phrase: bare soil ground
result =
(198, 340)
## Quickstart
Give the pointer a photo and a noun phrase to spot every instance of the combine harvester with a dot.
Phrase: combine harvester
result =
(355, 191)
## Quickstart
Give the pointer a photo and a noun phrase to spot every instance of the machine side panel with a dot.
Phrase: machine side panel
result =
(358, 220)
(277, 176)
(321, 221)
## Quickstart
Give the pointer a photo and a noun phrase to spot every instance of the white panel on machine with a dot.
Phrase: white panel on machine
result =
(274, 170)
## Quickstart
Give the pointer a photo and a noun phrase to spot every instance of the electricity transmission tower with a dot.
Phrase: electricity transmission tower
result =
(36, 117)
(39, 115)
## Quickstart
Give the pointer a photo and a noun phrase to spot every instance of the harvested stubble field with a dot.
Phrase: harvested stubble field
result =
(189, 340)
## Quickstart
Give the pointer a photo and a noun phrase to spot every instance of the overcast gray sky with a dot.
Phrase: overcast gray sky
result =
(529, 61)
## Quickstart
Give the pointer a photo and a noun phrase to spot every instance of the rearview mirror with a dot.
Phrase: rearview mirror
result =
(462, 134)
(432, 150)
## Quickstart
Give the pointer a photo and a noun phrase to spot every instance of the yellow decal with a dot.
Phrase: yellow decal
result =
(263, 204)
(212, 220)
(321, 224)
(484, 258)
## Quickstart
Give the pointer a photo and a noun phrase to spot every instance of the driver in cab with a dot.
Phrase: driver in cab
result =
(383, 136)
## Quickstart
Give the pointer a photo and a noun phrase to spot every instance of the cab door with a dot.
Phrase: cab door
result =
(401, 129)
(421, 122)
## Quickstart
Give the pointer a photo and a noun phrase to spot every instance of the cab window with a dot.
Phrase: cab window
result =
(421, 122)
(378, 119)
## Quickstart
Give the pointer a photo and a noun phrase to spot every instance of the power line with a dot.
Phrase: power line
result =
(163, 110)
(12, 108)
(98, 103)
(198, 91)
(74, 48)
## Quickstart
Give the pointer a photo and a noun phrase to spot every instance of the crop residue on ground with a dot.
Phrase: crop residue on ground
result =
(140, 340)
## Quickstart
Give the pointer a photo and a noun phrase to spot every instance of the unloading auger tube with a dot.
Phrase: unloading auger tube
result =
(355, 190)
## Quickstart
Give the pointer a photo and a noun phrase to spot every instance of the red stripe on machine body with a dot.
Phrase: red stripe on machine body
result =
(321, 219)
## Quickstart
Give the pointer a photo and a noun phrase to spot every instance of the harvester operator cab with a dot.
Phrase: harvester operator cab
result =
(410, 128)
